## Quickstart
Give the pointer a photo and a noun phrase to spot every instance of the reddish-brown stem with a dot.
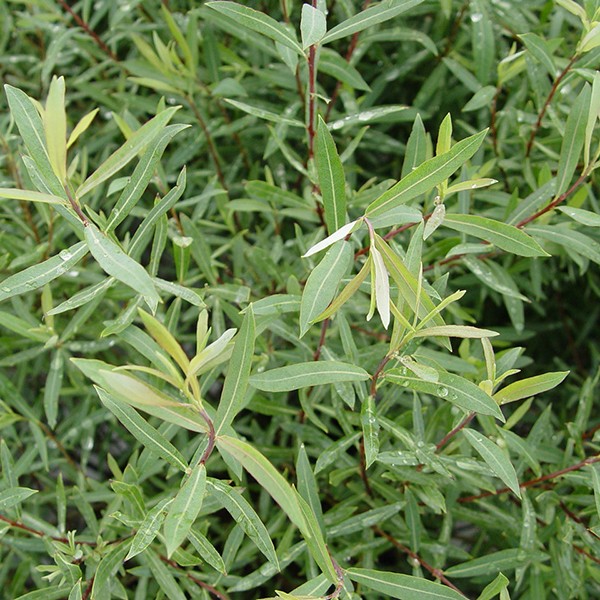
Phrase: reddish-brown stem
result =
(555, 202)
(384, 361)
(588, 461)
(209, 588)
(209, 142)
(349, 53)
(452, 433)
(363, 470)
(88, 589)
(542, 113)
(89, 31)
(324, 326)
(75, 206)
(437, 573)
(23, 527)
(211, 437)
(340, 575)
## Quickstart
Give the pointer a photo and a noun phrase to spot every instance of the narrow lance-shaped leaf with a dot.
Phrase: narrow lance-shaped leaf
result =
(238, 372)
(257, 21)
(313, 25)
(127, 152)
(454, 388)
(145, 433)
(293, 377)
(382, 287)
(116, 263)
(55, 128)
(461, 331)
(379, 13)
(30, 196)
(321, 285)
(495, 458)
(307, 485)
(14, 495)
(31, 128)
(573, 140)
(336, 236)
(331, 177)
(185, 508)
(39, 275)
(53, 387)
(404, 587)
(529, 386)
(427, 175)
(370, 429)
(506, 237)
(243, 514)
(148, 528)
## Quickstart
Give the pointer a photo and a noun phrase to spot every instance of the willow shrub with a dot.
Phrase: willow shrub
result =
(270, 277)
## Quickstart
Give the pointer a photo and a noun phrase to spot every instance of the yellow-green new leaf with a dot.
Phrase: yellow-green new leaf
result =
(531, 386)
(165, 339)
(55, 128)
(127, 152)
(267, 476)
(184, 509)
(461, 331)
(30, 196)
(81, 126)
(427, 175)
(122, 267)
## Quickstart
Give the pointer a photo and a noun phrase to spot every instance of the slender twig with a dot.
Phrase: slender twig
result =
(437, 573)
(542, 113)
(211, 437)
(75, 206)
(88, 588)
(89, 31)
(452, 433)
(340, 575)
(324, 326)
(588, 461)
(37, 532)
(349, 53)
(384, 361)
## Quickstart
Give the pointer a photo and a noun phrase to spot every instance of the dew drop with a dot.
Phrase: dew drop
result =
(476, 17)
(442, 391)
(65, 255)
(6, 289)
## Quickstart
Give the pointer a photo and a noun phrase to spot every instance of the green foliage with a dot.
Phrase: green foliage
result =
(298, 299)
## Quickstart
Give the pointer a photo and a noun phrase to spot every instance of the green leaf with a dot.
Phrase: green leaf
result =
(389, 114)
(495, 458)
(148, 529)
(29, 196)
(81, 126)
(243, 514)
(257, 21)
(145, 433)
(380, 13)
(293, 377)
(495, 562)
(494, 588)
(31, 128)
(569, 239)
(168, 584)
(142, 175)
(503, 236)
(184, 509)
(315, 541)
(461, 331)
(370, 427)
(454, 388)
(308, 487)
(238, 372)
(573, 140)
(427, 175)
(55, 128)
(538, 48)
(116, 263)
(321, 285)
(39, 275)
(14, 495)
(262, 113)
(165, 340)
(267, 476)
(404, 587)
(313, 25)
(127, 152)
(331, 63)
(416, 147)
(331, 177)
(111, 562)
(53, 387)
(585, 217)
(531, 386)
(207, 551)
